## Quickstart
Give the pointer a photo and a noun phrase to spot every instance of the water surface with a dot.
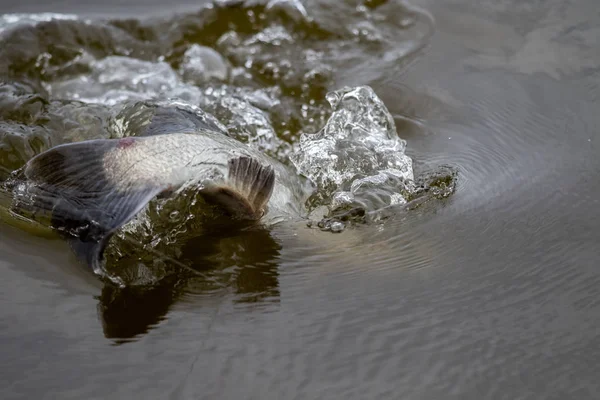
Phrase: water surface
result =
(491, 293)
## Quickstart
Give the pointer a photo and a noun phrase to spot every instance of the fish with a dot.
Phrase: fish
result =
(92, 188)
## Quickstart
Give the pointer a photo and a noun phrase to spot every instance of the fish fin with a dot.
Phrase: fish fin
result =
(88, 252)
(166, 120)
(70, 182)
(247, 191)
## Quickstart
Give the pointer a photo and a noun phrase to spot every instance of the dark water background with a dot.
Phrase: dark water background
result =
(492, 295)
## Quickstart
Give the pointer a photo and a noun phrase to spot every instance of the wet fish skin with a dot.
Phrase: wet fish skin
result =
(95, 187)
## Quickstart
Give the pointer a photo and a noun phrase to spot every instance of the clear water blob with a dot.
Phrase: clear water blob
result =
(202, 64)
(357, 158)
(273, 35)
(116, 79)
(8, 21)
(293, 9)
(245, 114)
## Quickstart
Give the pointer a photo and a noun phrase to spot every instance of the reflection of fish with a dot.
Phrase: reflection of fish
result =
(245, 261)
(92, 188)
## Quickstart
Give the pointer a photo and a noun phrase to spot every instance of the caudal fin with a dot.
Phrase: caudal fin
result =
(70, 182)
(247, 191)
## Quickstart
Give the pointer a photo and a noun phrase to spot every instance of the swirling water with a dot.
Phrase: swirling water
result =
(488, 293)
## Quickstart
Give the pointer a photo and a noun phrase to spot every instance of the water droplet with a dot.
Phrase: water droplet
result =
(337, 227)
(201, 64)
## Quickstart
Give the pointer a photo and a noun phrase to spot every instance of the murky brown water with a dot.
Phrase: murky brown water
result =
(491, 293)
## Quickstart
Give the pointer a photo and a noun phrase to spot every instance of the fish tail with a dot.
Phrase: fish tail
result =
(85, 204)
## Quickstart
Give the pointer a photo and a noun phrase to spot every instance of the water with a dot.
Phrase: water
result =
(490, 292)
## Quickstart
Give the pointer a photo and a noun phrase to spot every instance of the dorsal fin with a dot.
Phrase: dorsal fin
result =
(167, 120)
(247, 191)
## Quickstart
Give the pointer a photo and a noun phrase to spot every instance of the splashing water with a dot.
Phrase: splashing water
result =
(8, 21)
(116, 79)
(357, 158)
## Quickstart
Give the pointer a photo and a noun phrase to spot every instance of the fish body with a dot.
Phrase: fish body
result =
(92, 188)
(174, 160)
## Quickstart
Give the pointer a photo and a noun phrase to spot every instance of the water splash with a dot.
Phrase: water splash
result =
(202, 64)
(357, 159)
(117, 79)
(8, 21)
(245, 113)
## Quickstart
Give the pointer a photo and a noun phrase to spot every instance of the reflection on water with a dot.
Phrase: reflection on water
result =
(131, 311)
(244, 260)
